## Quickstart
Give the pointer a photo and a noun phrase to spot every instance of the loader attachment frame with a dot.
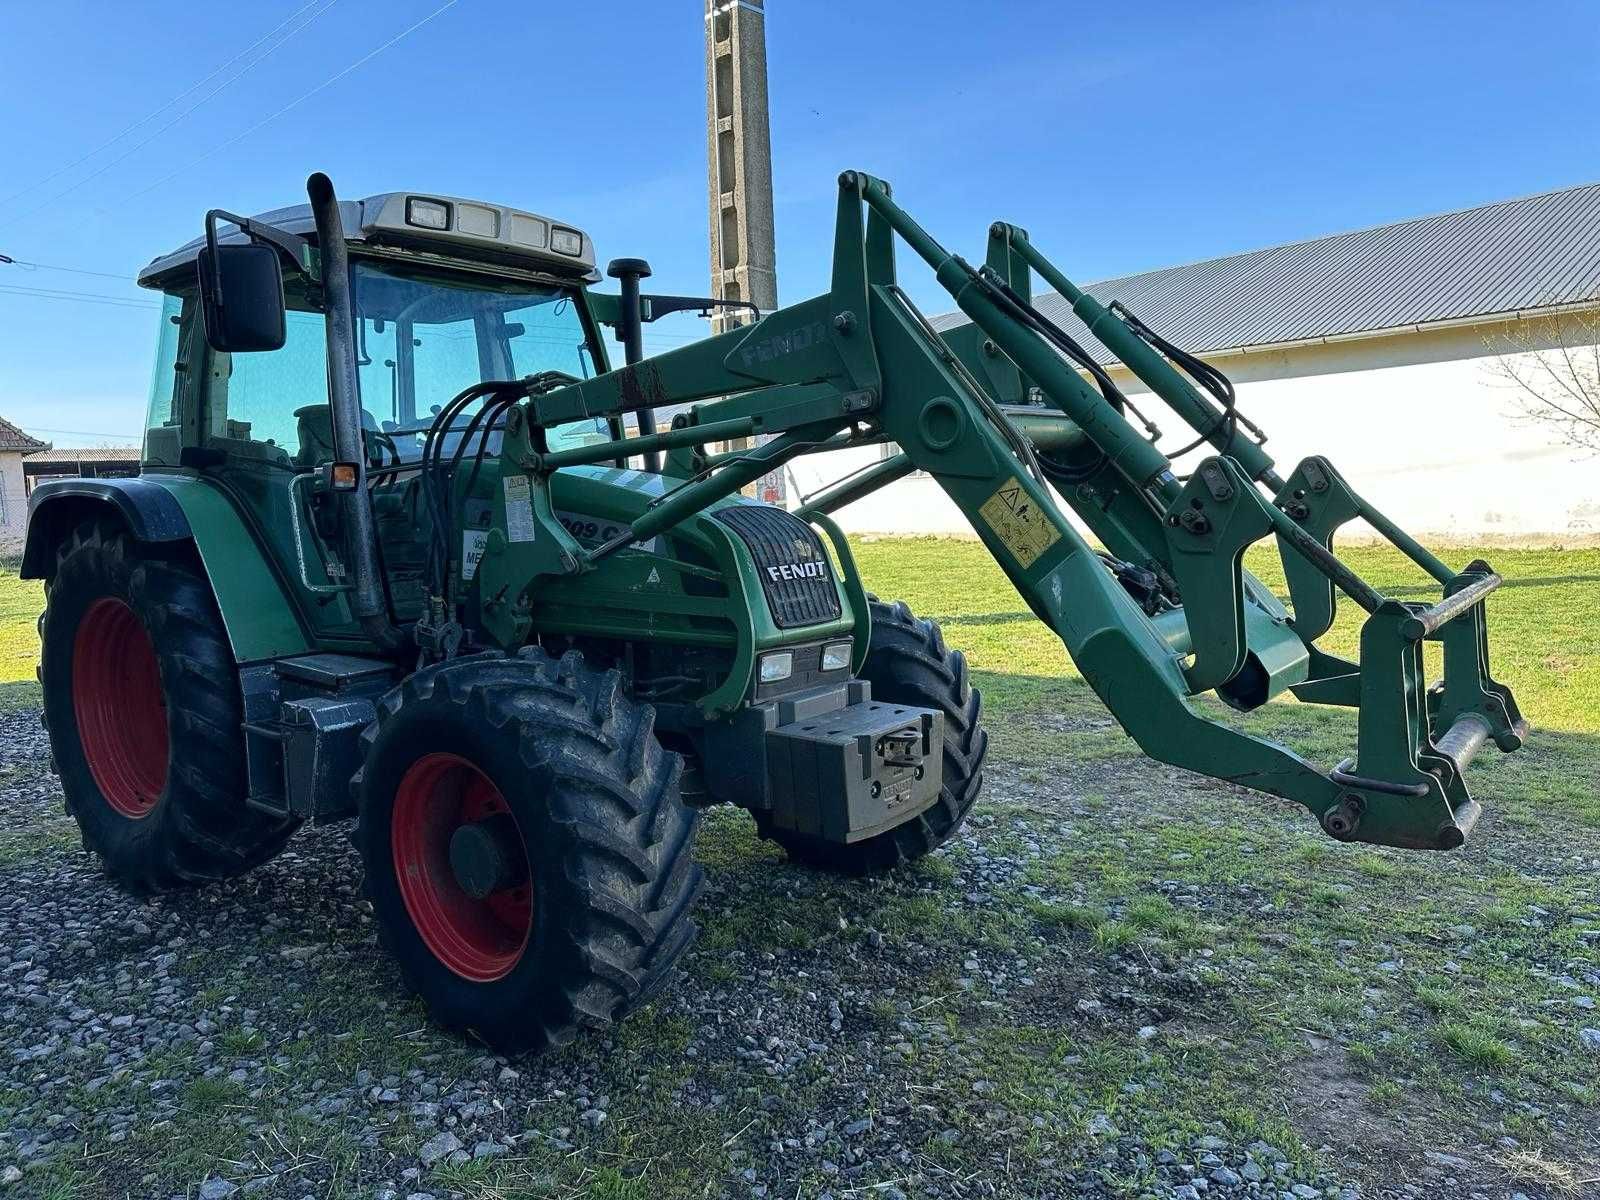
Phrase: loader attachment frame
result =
(1013, 424)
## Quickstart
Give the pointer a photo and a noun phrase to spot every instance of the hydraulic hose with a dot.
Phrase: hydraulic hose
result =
(1203, 373)
(1147, 363)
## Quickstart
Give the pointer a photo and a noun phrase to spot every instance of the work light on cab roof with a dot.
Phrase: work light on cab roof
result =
(447, 226)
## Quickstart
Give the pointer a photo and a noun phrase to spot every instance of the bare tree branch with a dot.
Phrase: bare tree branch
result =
(1553, 366)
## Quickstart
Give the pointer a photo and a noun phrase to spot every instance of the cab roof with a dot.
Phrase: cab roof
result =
(467, 229)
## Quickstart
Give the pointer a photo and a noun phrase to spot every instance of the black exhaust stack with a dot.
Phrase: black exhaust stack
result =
(630, 331)
(367, 600)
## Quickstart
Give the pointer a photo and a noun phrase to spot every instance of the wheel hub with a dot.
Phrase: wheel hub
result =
(462, 867)
(120, 708)
(487, 856)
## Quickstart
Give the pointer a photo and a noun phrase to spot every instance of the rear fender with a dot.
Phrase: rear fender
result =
(158, 509)
(149, 512)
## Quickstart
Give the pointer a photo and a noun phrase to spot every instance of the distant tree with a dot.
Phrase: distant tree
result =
(1553, 365)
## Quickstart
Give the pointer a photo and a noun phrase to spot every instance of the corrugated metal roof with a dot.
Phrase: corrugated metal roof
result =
(1533, 252)
(87, 454)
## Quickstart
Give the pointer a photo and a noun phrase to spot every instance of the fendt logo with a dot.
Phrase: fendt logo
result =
(799, 570)
(790, 341)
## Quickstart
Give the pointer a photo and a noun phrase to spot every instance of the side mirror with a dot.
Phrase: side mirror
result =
(241, 297)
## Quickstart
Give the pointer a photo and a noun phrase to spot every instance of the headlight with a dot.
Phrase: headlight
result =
(566, 241)
(775, 668)
(427, 214)
(836, 655)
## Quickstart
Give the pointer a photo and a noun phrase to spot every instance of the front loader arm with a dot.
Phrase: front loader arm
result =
(860, 365)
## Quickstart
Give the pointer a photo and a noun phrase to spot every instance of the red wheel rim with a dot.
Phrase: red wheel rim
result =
(121, 710)
(480, 940)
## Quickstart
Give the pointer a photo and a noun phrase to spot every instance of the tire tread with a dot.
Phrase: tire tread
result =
(203, 830)
(612, 793)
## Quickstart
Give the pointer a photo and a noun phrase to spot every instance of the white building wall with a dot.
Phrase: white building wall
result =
(1420, 423)
(13, 498)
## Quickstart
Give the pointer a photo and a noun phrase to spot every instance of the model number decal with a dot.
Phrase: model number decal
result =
(592, 531)
(587, 529)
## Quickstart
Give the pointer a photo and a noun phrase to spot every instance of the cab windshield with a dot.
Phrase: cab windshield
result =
(422, 337)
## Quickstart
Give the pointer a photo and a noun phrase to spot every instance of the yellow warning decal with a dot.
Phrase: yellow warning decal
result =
(1019, 523)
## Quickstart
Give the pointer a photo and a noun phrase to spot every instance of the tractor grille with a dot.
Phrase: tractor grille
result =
(794, 569)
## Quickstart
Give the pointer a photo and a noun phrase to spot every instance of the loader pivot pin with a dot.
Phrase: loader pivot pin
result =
(1341, 820)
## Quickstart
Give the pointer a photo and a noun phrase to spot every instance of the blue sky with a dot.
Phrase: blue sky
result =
(1125, 137)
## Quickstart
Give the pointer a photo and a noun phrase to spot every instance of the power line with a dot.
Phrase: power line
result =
(129, 437)
(39, 266)
(234, 78)
(295, 103)
(78, 297)
(152, 115)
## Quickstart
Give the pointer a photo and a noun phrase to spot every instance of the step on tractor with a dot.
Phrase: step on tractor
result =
(406, 548)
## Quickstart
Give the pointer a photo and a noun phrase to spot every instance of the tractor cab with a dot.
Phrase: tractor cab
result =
(447, 293)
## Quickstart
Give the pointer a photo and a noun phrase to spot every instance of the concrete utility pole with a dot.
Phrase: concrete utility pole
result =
(739, 171)
(739, 158)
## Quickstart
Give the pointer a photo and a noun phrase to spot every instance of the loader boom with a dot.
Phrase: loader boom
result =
(860, 364)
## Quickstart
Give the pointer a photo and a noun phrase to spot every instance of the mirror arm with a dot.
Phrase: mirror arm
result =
(655, 307)
(292, 246)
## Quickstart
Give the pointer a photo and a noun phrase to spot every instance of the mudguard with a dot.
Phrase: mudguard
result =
(151, 513)
(157, 507)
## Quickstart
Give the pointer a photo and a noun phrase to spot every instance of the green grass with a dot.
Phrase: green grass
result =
(1475, 1045)
(21, 601)
(1297, 934)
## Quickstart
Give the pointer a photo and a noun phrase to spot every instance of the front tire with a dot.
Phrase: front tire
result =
(908, 663)
(528, 855)
(142, 704)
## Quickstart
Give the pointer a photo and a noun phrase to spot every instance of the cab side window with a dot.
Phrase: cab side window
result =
(272, 406)
(163, 426)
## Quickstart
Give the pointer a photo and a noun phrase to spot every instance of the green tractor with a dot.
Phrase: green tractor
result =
(406, 549)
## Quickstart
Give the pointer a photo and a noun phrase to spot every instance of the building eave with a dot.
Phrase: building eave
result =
(1389, 331)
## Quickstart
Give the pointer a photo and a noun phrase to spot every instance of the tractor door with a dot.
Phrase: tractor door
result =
(263, 424)
(417, 346)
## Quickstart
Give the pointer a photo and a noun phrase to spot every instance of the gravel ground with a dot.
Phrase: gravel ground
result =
(251, 1039)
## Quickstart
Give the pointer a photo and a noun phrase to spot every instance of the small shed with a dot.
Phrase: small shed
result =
(88, 462)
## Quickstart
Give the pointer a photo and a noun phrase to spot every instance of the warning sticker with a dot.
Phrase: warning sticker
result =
(519, 508)
(1018, 522)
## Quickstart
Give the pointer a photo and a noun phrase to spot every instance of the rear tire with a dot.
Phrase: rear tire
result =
(142, 704)
(578, 836)
(908, 663)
